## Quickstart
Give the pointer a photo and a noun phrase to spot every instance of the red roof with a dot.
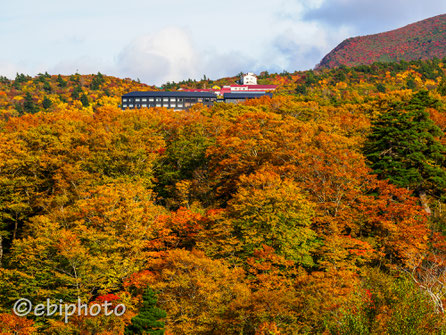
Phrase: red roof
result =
(199, 90)
(256, 87)
(229, 88)
(265, 87)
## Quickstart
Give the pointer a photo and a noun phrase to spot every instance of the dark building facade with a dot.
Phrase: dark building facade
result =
(179, 100)
(234, 98)
(175, 100)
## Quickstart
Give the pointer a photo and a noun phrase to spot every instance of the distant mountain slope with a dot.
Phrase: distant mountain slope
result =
(46, 92)
(421, 40)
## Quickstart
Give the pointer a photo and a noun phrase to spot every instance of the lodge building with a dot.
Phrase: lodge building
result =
(233, 98)
(174, 100)
(180, 100)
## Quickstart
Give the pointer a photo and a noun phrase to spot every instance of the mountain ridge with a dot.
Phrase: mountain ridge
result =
(425, 39)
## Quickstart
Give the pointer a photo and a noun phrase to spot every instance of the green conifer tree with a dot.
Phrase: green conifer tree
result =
(47, 86)
(146, 322)
(84, 100)
(301, 89)
(46, 103)
(381, 88)
(97, 81)
(76, 92)
(4, 80)
(61, 82)
(404, 147)
(410, 84)
(28, 104)
(442, 87)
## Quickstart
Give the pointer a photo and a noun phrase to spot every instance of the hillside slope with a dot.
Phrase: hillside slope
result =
(47, 92)
(421, 40)
(237, 215)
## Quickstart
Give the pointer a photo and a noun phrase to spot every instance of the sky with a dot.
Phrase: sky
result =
(174, 40)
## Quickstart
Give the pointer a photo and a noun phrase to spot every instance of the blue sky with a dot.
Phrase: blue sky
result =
(160, 41)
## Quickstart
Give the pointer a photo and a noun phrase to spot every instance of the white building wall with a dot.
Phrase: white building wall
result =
(249, 79)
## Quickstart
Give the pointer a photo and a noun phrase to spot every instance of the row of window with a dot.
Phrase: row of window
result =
(166, 99)
(180, 105)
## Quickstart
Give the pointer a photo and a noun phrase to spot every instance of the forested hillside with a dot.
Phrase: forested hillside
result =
(27, 95)
(421, 40)
(320, 210)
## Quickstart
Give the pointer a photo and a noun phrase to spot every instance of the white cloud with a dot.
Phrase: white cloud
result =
(171, 55)
(224, 64)
(8, 70)
(168, 55)
(299, 44)
(130, 39)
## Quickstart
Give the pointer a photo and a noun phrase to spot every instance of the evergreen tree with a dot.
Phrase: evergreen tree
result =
(76, 92)
(146, 322)
(46, 103)
(19, 79)
(28, 104)
(61, 82)
(410, 84)
(381, 88)
(4, 80)
(340, 76)
(310, 78)
(40, 78)
(75, 78)
(100, 78)
(84, 100)
(404, 147)
(97, 81)
(47, 86)
(19, 109)
(94, 84)
(301, 89)
(441, 89)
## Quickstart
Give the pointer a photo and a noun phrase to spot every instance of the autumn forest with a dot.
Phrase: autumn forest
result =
(320, 210)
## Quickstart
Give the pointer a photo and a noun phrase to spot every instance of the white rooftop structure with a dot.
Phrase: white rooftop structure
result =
(249, 79)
